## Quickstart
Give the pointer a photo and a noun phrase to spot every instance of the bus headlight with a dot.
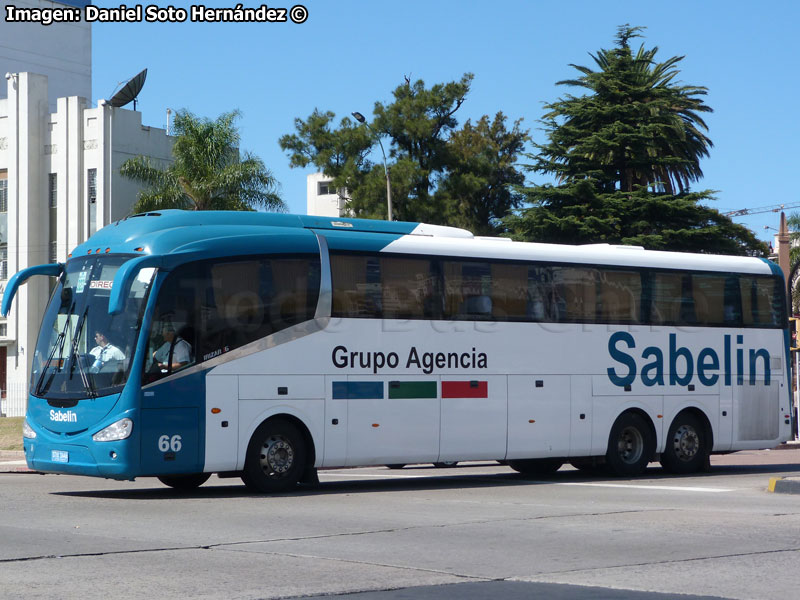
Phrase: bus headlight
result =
(27, 432)
(116, 431)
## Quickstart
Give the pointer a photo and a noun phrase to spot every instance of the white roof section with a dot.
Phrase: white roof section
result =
(598, 254)
(426, 229)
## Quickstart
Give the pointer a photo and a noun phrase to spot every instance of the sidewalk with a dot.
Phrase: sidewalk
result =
(13, 461)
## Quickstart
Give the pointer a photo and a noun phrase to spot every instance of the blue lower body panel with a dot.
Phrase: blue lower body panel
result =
(111, 459)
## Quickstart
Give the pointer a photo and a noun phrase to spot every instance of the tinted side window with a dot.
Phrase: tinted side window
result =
(619, 296)
(468, 289)
(207, 308)
(762, 301)
(393, 287)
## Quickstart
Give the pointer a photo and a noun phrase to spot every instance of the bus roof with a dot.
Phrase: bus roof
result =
(172, 231)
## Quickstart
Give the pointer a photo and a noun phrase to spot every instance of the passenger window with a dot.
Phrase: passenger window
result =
(577, 289)
(762, 304)
(619, 296)
(468, 289)
(410, 289)
(356, 286)
(708, 294)
(509, 292)
(208, 308)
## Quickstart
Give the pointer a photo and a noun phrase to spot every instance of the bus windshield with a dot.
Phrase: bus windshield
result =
(82, 351)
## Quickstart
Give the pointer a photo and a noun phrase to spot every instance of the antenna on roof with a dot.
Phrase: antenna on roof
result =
(129, 91)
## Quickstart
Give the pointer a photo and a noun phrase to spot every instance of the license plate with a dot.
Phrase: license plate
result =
(60, 456)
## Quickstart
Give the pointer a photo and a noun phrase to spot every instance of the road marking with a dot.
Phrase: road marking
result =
(387, 476)
(668, 488)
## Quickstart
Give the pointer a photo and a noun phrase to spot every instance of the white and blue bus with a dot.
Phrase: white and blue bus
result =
(267, 346)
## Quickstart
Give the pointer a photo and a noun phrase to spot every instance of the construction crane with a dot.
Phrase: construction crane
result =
(761, 209)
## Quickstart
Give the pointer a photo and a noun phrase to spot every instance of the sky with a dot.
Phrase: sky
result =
(349, 54)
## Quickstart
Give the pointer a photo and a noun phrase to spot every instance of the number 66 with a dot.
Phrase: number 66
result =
(166, 443)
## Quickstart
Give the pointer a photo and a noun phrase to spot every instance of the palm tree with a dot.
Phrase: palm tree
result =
(793, 223)
(208, 171)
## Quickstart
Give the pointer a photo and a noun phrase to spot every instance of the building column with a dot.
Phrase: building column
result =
(28, 112)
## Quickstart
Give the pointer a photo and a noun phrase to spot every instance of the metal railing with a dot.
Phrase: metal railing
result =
(14, 400)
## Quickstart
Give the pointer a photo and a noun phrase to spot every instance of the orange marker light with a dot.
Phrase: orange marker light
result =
(215, 411)
(139, 249)
(531, 420)
(376, 424)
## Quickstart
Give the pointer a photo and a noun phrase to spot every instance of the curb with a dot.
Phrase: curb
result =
(790, 445)
(784, 485)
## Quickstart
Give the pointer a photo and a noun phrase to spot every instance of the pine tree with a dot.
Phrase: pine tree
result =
(624, 157)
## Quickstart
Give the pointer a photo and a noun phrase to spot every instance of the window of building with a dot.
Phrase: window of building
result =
(52, 253)
(3, 329)
(3, 224)
(3, 191)
(325, 188)
(53, 189)
(91, 196)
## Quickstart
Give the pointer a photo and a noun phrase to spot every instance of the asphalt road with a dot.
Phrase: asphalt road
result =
(475, 531)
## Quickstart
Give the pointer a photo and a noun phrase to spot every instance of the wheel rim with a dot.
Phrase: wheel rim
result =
(630, 445)
(277, 456)
(686, 443)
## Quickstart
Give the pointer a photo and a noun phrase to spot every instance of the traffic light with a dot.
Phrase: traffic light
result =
(794, 330)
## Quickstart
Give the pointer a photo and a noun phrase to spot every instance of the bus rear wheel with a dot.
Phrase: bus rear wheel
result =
(184, 482)
(275, 458)
(686, 448)
(535, 466)
(631, 445)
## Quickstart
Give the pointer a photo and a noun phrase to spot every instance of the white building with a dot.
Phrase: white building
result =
(322, 199)
(62, 51)
(59, 168)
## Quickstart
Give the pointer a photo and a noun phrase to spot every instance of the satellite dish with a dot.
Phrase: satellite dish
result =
(129, 91)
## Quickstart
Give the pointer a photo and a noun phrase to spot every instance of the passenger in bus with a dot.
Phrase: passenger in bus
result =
(175, 351)
(106, 355)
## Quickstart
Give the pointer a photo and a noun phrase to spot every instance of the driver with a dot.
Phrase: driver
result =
(180, 348)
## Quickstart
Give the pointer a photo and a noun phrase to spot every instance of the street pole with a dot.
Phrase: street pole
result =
(360, 118)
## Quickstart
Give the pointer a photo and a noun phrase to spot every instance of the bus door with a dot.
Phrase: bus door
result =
(171, 421)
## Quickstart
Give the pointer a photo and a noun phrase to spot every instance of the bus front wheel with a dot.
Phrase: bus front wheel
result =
(631, 445)
(184, 482)
(275, 459)
(686, 448)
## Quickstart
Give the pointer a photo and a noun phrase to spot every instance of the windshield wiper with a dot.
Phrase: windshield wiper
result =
(58, 344)
(88, 382)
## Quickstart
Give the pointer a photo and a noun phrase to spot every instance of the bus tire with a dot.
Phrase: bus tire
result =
(445, 464)
(536, 466)
(184, 482)
(686, 448)
(276, 457)
(631, 445)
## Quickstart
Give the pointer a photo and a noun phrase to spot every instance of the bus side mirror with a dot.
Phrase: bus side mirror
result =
(53, 270)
